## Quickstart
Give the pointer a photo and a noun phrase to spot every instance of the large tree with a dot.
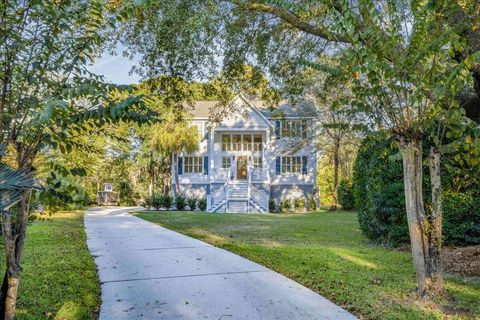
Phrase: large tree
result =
(47, 98)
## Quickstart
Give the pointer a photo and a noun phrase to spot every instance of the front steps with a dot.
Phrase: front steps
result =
(238, 197)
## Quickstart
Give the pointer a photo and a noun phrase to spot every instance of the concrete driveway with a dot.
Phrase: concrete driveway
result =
(149, 272)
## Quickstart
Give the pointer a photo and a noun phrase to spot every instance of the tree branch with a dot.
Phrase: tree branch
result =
(291, 19)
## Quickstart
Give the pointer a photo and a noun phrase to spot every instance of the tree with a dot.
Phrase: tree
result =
(174, 136)
(337, 133)
(47, 99)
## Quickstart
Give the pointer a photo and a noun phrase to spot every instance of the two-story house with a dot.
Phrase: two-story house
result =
(253, 155)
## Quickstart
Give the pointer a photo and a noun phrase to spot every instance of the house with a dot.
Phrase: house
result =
(252, 156)
(107, 197)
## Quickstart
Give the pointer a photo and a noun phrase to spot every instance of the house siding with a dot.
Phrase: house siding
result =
(249, 120)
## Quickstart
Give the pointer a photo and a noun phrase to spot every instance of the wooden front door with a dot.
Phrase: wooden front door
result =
(242, 168)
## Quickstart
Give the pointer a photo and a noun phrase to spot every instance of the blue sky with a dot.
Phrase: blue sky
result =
(115, 68)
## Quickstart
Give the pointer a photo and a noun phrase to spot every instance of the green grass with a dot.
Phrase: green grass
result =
(59, 280)
(327, 253)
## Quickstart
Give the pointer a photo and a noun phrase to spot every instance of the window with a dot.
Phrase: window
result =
(247, 142)
(239, 142)
(292, 128)
(236, 142)
(199, 125)
(226, 140)
(226, 162)
(257, 162)
(257, 142)
(291, 164)
(193, 164)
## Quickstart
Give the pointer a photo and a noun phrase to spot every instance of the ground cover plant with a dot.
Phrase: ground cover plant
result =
(326, 252)
(60, 278)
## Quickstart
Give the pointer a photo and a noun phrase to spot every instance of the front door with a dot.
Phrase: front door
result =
(242, 168)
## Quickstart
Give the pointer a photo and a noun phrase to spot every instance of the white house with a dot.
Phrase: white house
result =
(254, 155)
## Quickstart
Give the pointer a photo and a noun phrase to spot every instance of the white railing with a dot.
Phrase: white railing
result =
(260, 196)
(222, 174)
(217, 197)
(258, 174)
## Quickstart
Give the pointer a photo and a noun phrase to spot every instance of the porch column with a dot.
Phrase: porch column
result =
(266, 154)
(211, 153)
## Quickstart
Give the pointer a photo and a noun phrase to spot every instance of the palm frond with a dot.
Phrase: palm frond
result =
(12, 184)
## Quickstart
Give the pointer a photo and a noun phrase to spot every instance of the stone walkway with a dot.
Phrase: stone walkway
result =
(149, 272)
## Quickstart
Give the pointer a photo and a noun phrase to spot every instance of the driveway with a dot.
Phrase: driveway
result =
(150, 272)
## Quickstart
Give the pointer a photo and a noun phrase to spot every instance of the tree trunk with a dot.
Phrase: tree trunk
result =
(435, 244)
(14, 238)
(411, 152)
(336, 161)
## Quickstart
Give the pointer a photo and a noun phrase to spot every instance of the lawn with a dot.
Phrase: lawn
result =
(326, 252)
(59, 280)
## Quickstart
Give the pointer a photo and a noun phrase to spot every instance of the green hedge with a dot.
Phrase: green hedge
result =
(379, 196)
(345, 195)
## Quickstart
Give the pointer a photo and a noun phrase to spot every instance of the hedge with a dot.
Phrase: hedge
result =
(379, 196)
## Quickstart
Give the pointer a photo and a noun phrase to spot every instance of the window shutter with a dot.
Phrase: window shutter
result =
(277, 128)
(205, 165)
(180, 165)
(304, 129)
(304, 164)
(277, 166)
(207, 135)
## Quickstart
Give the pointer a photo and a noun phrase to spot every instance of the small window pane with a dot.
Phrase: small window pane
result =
(247, 142)
(257, 142)
(237, 142)
(226, 140)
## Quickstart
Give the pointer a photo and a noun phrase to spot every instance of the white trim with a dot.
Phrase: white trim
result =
(270, 124)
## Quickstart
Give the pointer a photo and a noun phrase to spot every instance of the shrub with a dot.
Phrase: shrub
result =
(379, 195)
(299, 203)
(180, 202)
(285, 205)
(461, 218)
(157, 201)
(202, 204)
(148, 203)
(345, 195)
(271, 205)
(192, 203)
(312, 205)
(167, 201)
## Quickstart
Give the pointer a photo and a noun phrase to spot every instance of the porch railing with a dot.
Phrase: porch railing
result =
(216, 197)
(257, 174)
(260, 196)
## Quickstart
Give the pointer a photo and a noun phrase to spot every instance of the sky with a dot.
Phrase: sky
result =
(115, 68)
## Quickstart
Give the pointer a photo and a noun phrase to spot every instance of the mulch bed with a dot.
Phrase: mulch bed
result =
(464, 261)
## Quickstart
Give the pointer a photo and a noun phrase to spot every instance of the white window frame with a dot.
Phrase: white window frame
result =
(291, 164)
(257, 162)
(192, 164)
(291, 128)
(226, 162)
(240, 146)
(200, 127)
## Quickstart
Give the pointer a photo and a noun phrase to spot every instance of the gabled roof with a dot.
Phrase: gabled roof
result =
(201, 109)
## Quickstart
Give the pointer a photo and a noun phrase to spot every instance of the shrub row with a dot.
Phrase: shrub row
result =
(180, 202)
(293, 205)
(379, 195)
